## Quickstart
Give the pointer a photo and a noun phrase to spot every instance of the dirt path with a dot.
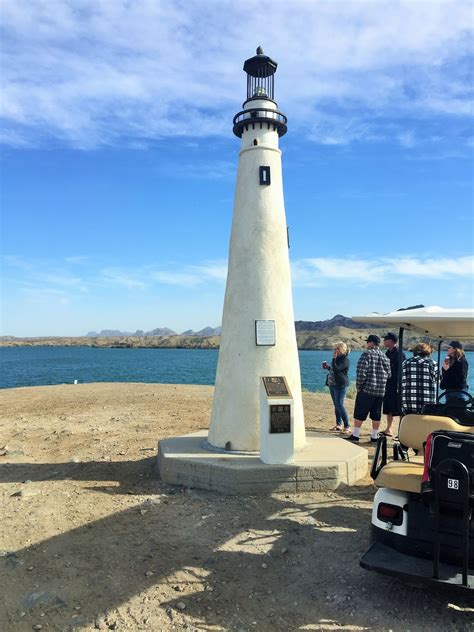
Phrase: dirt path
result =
(91, 539)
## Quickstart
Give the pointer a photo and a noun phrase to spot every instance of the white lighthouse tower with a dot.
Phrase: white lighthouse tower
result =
(258, 330)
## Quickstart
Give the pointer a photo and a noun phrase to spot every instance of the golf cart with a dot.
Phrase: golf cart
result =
(423, 514)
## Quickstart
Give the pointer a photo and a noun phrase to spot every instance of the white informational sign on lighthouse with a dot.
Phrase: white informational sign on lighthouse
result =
(258, 330)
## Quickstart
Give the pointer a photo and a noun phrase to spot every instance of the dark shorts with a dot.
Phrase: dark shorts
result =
(368, 405)
(390, 402)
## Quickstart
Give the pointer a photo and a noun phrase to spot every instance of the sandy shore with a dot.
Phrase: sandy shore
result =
(91, 539)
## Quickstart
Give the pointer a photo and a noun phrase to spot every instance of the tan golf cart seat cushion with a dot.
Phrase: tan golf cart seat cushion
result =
(403, 475)
(414, 429)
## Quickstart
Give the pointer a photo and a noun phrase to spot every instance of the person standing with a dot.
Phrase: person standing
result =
(338, 381)
(373, 371)
(419, 376)
(454, 373)
(390, 400)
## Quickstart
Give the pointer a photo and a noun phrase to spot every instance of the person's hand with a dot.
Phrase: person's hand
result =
(446, 363)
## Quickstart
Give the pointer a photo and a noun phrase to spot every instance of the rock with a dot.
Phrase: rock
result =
(13, 560)
(44, 599)
(75, 459)
(264, 565)
(37, 626)
(181, 605)
(153, 501)
(100, 624)
(149, 574)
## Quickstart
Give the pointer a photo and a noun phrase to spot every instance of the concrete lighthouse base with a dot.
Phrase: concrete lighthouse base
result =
(323, 465)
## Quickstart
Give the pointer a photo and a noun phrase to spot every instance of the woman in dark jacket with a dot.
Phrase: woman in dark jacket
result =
(454, 373)
(338, 381)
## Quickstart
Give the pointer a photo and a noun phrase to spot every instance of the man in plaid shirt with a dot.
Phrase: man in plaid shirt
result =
(419, 377)
(373, 371)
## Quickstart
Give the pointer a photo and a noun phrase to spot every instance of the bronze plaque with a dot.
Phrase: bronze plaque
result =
(275, 386)
(280, 418)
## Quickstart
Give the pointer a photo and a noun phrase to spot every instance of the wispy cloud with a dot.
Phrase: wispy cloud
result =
(315, 271)
(116, 276)
(35, 278)
(123, 73)
(148, 276)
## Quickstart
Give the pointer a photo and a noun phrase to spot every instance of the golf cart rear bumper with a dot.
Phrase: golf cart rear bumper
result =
(384, 559)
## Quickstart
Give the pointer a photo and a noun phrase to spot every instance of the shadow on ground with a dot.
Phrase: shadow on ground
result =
(213, 562)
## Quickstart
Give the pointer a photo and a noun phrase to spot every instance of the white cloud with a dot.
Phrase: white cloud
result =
(116, 276)
(315, 271)
(123, 73)
(39, 278)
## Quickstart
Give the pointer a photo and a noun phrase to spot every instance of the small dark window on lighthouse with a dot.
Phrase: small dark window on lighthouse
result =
(264, 175)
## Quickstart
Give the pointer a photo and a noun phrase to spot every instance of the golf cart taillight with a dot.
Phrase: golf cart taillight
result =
(390, 513)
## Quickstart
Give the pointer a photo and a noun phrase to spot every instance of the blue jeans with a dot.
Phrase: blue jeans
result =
(337, 396)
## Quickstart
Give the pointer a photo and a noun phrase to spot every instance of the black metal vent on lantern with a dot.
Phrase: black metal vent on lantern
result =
(260, 71)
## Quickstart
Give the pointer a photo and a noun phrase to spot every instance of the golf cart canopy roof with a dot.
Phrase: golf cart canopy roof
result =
(436, 322)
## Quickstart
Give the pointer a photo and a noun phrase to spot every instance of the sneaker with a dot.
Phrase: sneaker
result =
(352, 438)
(373, 440)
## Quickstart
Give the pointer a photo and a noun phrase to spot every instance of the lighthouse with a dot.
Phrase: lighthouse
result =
(256, 441)
(258, 331)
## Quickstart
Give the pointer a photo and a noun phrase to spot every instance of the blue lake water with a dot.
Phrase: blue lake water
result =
(37, 366)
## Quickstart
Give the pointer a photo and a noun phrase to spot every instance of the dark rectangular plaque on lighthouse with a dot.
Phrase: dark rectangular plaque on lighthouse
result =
(280, 418)
(276, 387)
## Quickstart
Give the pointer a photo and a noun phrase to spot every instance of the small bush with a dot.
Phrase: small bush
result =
(351, 391)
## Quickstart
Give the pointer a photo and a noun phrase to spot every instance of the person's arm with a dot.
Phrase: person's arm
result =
(404, 384)
(361, 371)
(339, 367)
(465, 369)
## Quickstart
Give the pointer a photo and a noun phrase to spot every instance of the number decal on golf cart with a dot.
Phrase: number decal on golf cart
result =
(453, 483)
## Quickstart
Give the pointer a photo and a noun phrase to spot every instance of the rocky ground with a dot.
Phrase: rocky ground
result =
(91, 539)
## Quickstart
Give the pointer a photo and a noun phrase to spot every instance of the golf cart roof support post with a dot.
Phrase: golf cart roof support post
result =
(400, 362)
(439, 370)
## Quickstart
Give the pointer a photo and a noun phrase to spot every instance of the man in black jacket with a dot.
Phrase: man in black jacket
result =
(390, 400)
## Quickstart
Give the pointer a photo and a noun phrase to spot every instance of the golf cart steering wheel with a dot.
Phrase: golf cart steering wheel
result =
(465, 402)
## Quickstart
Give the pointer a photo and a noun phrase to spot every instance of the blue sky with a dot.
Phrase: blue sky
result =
(119, 163)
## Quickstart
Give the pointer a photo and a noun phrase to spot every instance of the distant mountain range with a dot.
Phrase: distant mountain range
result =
(310, 335)
(336, 321)
(300, 325)
(159, 331)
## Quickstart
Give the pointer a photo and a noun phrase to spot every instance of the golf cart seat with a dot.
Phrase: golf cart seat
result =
(414, 429)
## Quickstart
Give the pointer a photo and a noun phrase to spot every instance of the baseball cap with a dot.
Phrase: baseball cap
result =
(455, 344)
(373, 338)
(391, 336)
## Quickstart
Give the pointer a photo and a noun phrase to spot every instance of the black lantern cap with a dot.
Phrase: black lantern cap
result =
(260, 65)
